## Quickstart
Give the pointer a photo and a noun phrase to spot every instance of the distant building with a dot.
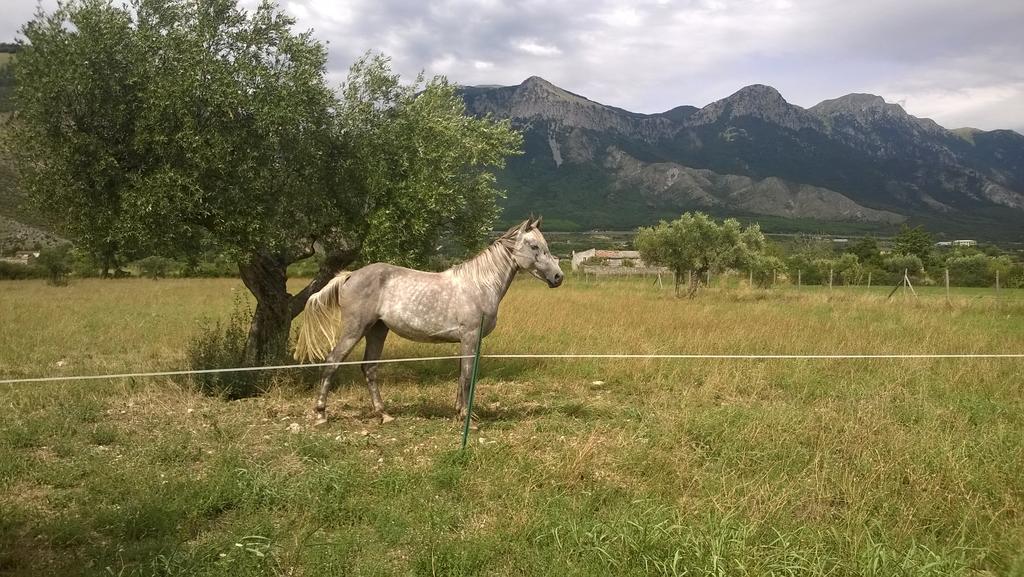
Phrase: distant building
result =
(965, 242)
(23, 257)
(840, 240)
(944, 243)
(609, 258)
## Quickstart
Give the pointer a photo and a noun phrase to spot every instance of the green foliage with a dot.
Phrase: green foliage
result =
(696, 242)
(1015, 276)
(867, 251)
(85, 265)
(970, 268)
(422, 163)
(155, 267)
(914, 241)
(844, 269)
(222, 345)
(183, 127)
(897, 263)
(848, 269)
(801, 268)
(18, 271)
(56, 261)
(765, 268)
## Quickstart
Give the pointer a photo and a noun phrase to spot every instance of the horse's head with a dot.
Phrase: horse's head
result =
(531, 253)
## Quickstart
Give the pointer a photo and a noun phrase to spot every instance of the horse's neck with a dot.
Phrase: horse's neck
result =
(490, 272)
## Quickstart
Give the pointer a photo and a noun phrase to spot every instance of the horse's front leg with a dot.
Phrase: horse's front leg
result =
(468, 349)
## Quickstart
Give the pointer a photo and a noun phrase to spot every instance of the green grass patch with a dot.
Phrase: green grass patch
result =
(582, 467)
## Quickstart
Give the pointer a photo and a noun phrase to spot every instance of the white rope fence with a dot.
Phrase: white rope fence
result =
(569, 356)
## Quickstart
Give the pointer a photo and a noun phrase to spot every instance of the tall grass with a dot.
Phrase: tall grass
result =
(582, 467)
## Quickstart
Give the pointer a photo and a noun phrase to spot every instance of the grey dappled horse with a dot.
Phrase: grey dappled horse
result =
(436, 307)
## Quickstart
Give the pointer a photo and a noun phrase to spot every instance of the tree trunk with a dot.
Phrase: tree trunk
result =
(333, 264)
(266, 277)
(695, 281)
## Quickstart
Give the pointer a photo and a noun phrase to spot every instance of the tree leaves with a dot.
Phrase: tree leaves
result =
(181, 125)
(695, 242)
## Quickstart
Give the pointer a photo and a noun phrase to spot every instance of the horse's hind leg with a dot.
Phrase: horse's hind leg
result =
(341, 350)
(375, 338)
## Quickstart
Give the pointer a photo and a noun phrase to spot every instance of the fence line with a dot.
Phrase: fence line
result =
(525, 356)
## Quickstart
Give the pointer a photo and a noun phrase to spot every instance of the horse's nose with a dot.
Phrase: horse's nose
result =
(558, 278)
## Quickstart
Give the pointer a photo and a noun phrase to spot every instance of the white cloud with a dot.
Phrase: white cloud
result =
(537, 49)
(958, 61)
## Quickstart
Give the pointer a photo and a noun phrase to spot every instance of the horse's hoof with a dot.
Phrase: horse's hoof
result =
(386, 418)
(320, 420)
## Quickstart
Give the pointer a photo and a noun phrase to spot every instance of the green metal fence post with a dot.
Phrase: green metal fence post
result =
(472, 384)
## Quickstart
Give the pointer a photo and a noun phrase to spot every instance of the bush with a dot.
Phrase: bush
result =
(220, 346)
(17, 271)
(56, 261)
(898, 263)
(1015, 276)
(969, 270)
(849, 269)
(84, 265)
(219, 267)
(764, 269)
(802, 268)
(155, 267)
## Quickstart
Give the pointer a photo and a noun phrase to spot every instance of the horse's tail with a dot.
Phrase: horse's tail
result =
(319, 332)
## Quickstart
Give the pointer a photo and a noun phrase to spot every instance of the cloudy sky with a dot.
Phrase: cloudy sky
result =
(960, 62)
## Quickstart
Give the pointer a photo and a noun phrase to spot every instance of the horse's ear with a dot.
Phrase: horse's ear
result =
(536, 222)
(527, 225)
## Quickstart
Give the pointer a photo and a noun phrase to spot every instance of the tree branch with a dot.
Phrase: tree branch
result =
(332, 265)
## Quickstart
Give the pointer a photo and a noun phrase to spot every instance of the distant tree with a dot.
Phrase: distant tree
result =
(898, 263)
(867, 251)
(56, 261)
(848, 268)
(155, 267)
(181, 127)
(696, 243)
(914, 241)
(765, 268)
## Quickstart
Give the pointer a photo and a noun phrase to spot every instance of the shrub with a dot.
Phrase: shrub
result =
(85, 265)
(56, 261)
(969, 270)
(797, 267)
(765, 268)
(17, 271)
(1015, 276)
(898, 263)
(849, 269)
(221, 345)
(155, 267)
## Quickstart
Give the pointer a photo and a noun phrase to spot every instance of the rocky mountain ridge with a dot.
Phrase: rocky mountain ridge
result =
(855, 158)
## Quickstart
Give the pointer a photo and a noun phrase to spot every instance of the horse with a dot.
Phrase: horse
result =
(452, 306)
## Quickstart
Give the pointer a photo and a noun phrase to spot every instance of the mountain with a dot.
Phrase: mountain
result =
(851, 163)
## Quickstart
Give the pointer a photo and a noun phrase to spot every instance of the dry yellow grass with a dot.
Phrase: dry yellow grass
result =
(582, 467)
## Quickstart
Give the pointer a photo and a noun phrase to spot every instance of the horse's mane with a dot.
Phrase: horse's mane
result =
(485, 268)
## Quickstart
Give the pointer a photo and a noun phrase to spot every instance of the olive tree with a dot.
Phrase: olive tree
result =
(174, 127)
(696, 243)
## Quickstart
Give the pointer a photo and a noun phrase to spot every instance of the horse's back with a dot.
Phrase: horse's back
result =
(417, 305)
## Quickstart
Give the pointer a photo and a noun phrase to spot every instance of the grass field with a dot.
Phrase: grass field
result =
(834, 467)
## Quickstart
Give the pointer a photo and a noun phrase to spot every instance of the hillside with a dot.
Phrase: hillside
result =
(854, 163)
